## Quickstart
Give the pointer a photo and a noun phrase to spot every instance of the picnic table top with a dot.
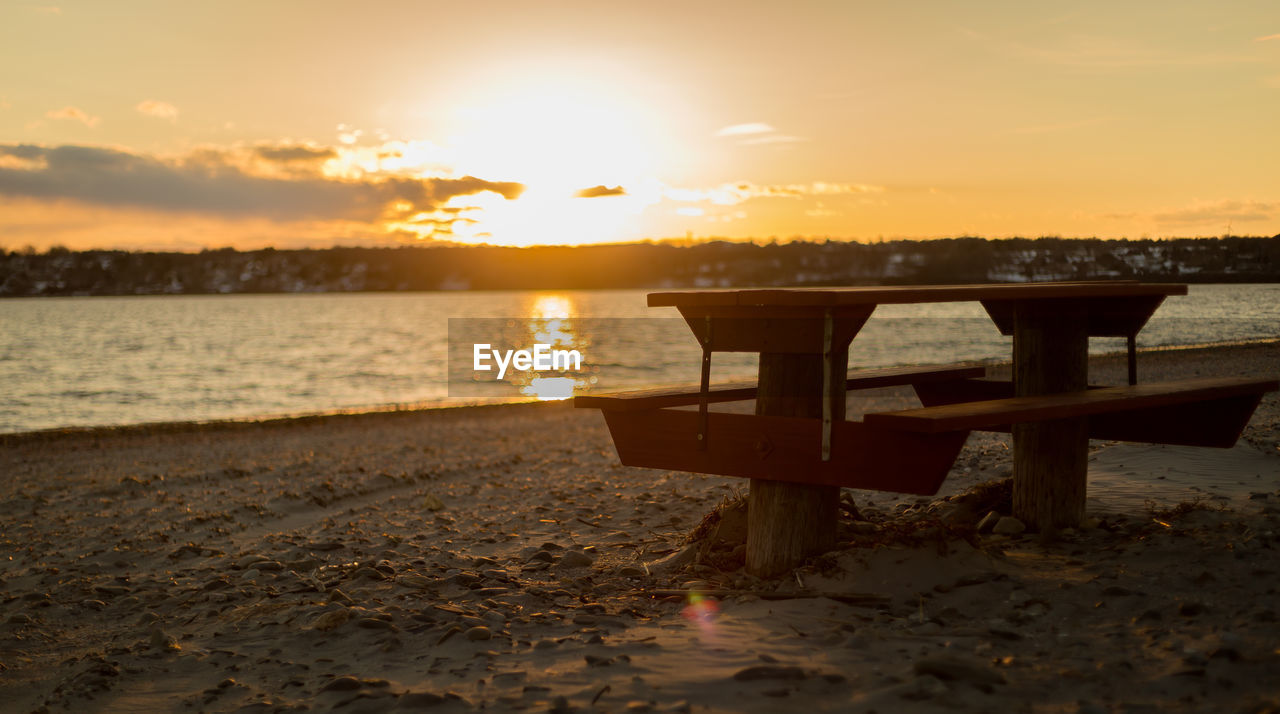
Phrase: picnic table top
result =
(837, 296)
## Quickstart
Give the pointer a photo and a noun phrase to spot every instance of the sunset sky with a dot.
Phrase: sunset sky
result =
(183, 125)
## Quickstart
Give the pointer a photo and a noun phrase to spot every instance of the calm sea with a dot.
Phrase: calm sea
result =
(127, 360)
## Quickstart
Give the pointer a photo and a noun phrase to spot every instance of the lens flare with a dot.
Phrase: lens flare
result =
(702, 611)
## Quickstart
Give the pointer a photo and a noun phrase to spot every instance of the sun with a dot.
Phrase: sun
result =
(556, 132)
(559, 134)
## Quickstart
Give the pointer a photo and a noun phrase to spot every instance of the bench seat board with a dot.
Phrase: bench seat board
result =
(934, 394)
(1214, 423)
(1152, 400)
(641, 399)
(785, 449)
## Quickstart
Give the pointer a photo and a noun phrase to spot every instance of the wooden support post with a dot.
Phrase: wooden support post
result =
(1131, 348)
(787, 522)
(1050, 354)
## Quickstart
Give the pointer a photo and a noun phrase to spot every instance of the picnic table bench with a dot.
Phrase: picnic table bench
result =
(798, 449)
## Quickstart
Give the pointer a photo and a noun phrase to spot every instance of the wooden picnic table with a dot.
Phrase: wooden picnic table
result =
(793, 329)
(798, 450)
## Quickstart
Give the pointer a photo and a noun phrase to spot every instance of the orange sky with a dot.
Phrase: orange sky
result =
(187, 125)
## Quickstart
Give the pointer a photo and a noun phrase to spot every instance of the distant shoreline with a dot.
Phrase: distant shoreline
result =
(711, 264)
(1185, 279)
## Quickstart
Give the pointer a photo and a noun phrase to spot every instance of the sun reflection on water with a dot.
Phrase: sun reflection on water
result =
(551, 322)
(550, 306)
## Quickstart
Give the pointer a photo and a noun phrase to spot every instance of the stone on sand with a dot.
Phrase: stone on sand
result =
(957, 669)
(769, 671)
(330, 620)
(160, 640)
(479, 632)
(345, 683)
(1009, 525)
(576, 559)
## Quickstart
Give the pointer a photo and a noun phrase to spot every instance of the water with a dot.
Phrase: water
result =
(126, 360)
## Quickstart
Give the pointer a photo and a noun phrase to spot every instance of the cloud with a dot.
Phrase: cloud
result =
(745, 129)
(1220, 212)
(348, 135)
(73, 114)
(774, 139)
(1104, 53)
(734, 193)
(209, 183)
(1120, 215)
(601, 190)
(25, 152)
(820, 188)
(822, 212)
(294, 153)
(758, 133)
(157, 109)
(1267, 38)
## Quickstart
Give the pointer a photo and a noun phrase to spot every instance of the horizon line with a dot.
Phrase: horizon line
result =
(673, 241)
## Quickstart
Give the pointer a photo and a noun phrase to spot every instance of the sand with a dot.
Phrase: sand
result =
(500, 558)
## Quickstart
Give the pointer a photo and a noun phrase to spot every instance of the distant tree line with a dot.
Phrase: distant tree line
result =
(59, 271)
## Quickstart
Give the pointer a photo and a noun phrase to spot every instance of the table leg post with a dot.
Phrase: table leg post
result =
(787, 522)
(1050, 354)
(1131, 349)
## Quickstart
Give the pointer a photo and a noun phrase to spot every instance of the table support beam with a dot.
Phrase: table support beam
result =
(787, 522)
(1050, 355)
(1131, 348)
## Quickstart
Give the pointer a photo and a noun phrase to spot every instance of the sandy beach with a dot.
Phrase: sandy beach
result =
(500, 558)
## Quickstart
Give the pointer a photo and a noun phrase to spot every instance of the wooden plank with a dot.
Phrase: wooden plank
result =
(1110, 316)
(1105, 400)
(1216, 423)
(957, 391)
(786, 449)
(685, 395)
(775, 330)
(825, 297)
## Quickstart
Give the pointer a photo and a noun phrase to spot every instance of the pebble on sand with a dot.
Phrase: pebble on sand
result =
(1009, 525)
(160, 640)
(330, 620)
(576, 559)
(957, 669)
(344, 683)
(769, 671)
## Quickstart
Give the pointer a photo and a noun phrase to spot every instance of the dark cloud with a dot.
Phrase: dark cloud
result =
(601, 190)
(21, 151)
(440, 226)
(207, 183)
(297, 153)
